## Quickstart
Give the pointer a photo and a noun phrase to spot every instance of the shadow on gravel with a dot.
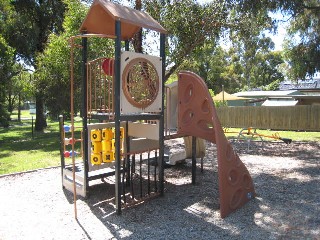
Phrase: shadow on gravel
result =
(287, 205)
(185, 211)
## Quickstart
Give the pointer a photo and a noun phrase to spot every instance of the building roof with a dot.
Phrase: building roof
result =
(103, 14)
(253, 94)
(280, 102)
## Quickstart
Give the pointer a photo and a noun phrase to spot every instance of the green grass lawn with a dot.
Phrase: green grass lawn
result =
(25, 114)
(20, 152)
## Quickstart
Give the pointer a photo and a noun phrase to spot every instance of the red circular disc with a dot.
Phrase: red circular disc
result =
(107, 66)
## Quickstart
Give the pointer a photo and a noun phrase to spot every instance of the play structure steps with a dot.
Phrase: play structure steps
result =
(67, 179)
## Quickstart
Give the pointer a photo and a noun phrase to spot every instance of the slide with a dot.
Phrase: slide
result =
(197, 117)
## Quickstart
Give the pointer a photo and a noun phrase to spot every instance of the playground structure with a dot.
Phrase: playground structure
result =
(125, 94)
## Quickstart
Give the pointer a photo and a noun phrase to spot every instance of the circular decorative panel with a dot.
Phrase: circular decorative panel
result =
(140, 82)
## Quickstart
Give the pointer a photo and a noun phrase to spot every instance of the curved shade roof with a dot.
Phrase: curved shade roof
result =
(102, 15)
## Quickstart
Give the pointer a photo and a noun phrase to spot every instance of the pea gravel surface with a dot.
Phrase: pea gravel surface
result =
(33, 205)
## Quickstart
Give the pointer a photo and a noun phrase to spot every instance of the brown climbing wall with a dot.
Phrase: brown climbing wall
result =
(197, 117)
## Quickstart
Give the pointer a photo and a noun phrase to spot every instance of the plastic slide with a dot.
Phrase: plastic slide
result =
(197, 117)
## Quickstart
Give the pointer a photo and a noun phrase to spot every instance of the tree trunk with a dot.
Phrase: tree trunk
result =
(137, 39)
(19, 107)
(41, 122)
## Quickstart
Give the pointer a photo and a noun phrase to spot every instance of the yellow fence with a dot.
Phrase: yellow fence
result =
(278, 118)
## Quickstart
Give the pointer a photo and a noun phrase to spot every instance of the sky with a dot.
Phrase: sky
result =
(277, 38)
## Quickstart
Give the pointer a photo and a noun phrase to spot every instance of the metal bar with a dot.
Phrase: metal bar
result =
(72, 128)
(140, 173)
(168, 110)
(161, 120)
(148, 172)
(123, 179)
(194, 160)
(126, 46)
(127, 150)
(131, 175)
(84, 113)
(155, 172)
(101, 87)
(110, 91)
(89, 86)
(117, 114)
(113, 86)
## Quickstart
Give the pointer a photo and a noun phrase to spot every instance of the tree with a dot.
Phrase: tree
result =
(6, 63)
(210, 61)
(189, 24)
(54, 63)
(35, 21)
(302, 47)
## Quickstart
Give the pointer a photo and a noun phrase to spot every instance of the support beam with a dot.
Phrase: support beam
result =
(117, 116)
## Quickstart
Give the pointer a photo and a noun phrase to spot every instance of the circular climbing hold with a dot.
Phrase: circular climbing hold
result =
(188, 93)
(205, 106)
(236, 199)
(246, 180)
(187, 116)
(233, 176)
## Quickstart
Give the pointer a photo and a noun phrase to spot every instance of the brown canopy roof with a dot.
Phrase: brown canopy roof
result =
(102, 15)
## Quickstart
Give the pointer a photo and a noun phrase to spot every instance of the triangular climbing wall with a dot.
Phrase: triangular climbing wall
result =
(198, 117)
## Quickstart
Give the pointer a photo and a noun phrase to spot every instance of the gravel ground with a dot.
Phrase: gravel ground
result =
(286, 177)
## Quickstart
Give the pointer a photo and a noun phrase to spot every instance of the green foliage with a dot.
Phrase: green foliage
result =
(6, 68)
(272, 86)
(192, 44)
(189, 25)
(27, 27)
(53, 75)
(220, 103)
(35, 21)
(302, 44)
(211, 92)
(54, 64)
(194, 31)
(303, 17)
